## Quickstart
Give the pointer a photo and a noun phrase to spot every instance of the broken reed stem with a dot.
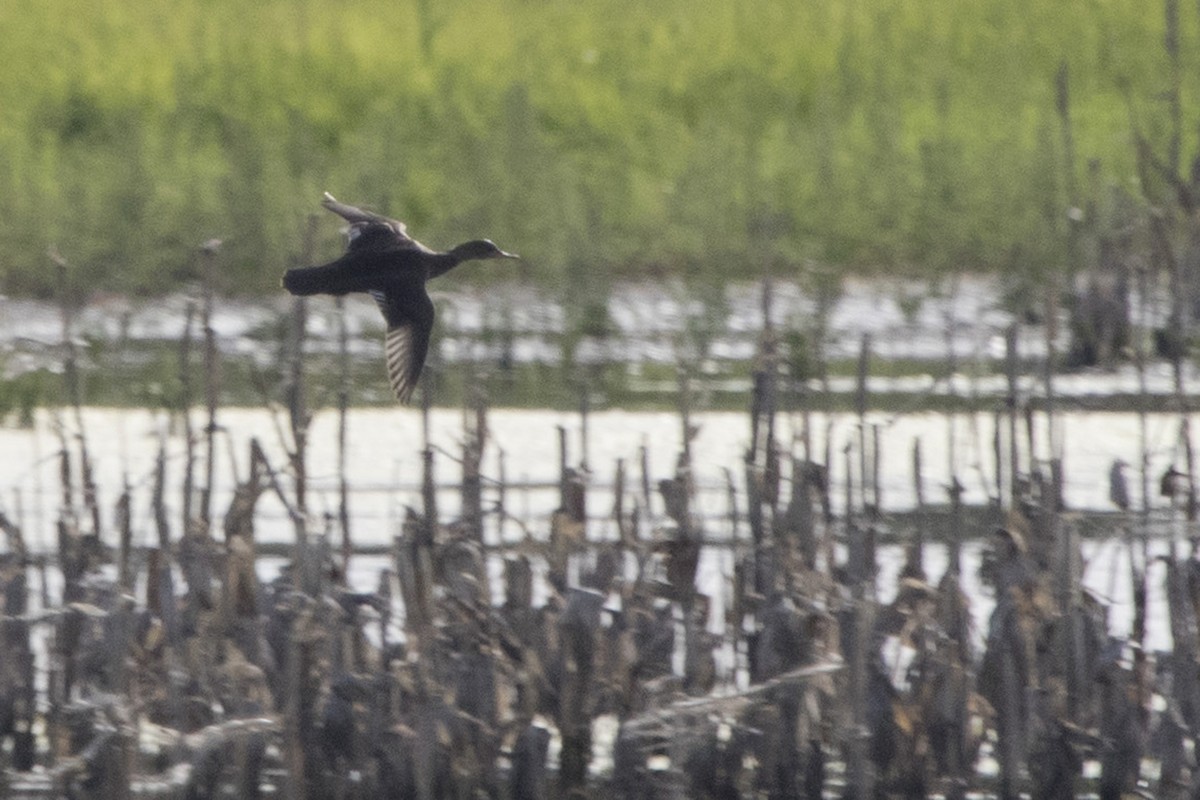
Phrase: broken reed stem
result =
(1012, 372)
(1053, 439)
(74, 390)
(848, 456)
(998, 456)
(876, 468)
(297, 403)
(185, 411)
(124, 514)
(429, 498)
(734, 518)
(684, 376)
(644, 463)
(160, 585)
(860, 410)
(501, 495)
(618, 512)
(919, 491)
(585, 413)
(211, 386)
(91, 501)
(1137, 571)
(473, 447)
(296, 388)
(860, 767)
(296, 668)
(66, 484)
(563, 467)
(343, 406)
(918, 476)
(300, 419)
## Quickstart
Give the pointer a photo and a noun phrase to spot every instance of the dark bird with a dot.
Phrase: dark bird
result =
(384, 261)
(1173, 483)
(1118, 487)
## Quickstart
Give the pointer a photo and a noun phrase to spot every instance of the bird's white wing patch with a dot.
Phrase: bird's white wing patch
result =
(398, 347)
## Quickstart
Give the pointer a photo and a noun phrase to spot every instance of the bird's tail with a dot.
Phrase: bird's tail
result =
(335, 278)
(308, 280)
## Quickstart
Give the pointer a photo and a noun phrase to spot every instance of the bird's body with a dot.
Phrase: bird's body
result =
(384, 261)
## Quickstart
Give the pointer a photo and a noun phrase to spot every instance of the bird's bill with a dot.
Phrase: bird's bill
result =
(503, 254)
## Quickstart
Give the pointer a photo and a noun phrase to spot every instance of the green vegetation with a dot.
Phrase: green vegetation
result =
(597, 139)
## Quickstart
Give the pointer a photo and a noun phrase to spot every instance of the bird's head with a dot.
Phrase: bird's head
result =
(479, 249)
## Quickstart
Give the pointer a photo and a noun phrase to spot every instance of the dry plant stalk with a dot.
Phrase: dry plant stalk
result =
(212, 381)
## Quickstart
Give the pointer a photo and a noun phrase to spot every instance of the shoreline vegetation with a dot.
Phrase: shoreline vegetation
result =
(600, 650)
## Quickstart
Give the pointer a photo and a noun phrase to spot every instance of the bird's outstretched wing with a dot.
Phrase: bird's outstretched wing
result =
(369, 230)
(355, 215)
(409, 317)
(358, 270)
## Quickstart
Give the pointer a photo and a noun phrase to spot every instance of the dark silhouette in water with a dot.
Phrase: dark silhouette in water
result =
(384, 261)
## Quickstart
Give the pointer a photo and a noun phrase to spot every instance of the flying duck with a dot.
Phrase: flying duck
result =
(382, 260)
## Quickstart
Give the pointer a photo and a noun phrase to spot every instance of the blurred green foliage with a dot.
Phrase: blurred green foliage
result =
(598, 139)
